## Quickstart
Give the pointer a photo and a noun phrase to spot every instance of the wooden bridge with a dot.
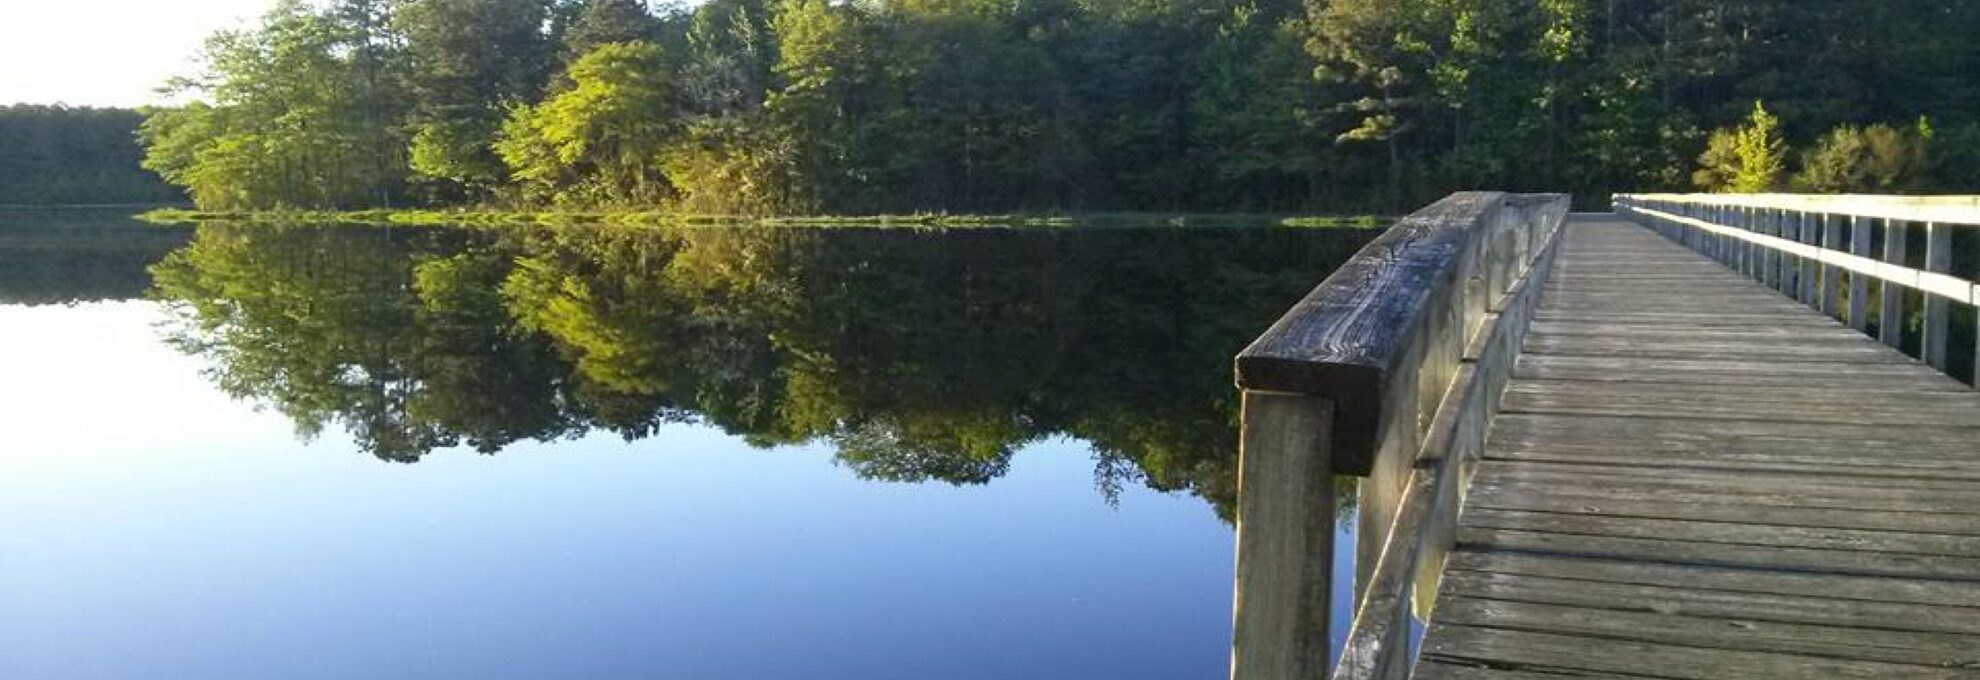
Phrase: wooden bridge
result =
(1660, 443)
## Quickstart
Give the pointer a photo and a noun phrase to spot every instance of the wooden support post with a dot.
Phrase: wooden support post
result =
(1832, 237)
(1859, 284)
(1890, 317)
(1938, 310)
(1285, 538)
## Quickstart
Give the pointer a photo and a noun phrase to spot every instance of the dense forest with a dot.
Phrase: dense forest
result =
(71, 155)
(863, 106)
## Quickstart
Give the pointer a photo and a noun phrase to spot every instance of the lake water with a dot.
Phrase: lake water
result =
(256, 451)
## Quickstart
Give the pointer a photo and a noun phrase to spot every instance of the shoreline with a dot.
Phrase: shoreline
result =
(424, 217)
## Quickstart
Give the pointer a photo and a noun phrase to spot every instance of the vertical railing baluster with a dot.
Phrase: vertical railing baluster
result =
(1808, 229)
(1782, 260)
(1890, 317)
(1831, 228)
(1859, 284)
(1767, 254)
(1938, 311)
(1749, 255)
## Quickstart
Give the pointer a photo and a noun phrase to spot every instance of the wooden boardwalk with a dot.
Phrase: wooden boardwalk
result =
(1693, 476)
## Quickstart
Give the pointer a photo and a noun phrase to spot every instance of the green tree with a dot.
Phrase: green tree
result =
(1874, 159)
(596, 23)
(467, 62)
(599, 141)
(1761, 153)
(300, 116)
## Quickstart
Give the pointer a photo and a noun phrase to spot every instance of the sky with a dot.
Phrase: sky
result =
(105, 52)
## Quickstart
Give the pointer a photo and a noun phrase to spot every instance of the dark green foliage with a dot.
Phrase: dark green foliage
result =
(74, 155)
(792, 106)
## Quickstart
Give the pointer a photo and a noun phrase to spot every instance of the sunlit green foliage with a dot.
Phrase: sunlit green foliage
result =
(301, 116)
(900, 106)
(466, 63)
(598, 141)
(1875, 159)
(1761, 154)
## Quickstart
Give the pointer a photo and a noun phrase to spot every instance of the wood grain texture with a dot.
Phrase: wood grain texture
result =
(1285, 515)
(1392, 320)
(1696, 476)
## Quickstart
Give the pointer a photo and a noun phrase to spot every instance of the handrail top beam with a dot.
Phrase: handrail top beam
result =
(1352, 333)
(1960, 210)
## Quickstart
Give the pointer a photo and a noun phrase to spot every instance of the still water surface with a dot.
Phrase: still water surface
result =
(358, 452)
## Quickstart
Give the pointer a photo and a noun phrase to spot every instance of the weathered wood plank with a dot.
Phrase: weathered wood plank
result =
(1382, 335)
(1858, 378)
(1567, 654)
(1711, 603)
(1723, 403)
(1727, 532)
(1434, 670)
(1948, 408)
(1723, 554)
(1609, 621)
(1691, 435)
(1943, 601)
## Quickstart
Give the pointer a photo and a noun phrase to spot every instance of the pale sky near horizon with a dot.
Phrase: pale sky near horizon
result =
(106, 52)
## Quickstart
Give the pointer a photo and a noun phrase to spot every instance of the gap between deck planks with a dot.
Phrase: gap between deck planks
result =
(1694, 476)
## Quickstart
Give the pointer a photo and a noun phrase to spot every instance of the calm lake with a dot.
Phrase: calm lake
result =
(257, 451)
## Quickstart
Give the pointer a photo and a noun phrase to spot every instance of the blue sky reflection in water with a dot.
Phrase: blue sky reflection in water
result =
(156, 528)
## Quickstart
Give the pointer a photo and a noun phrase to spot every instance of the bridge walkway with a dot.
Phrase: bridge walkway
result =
(1693, 476)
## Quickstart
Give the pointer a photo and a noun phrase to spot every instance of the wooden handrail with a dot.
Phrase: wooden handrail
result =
(1960, 210)
(1388, 370)
(1799, 245)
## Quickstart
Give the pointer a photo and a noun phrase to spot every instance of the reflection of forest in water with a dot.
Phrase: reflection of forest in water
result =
(917, 355)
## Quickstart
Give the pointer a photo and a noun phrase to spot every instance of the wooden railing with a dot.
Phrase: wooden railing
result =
(1827, 251)
(1390, 370)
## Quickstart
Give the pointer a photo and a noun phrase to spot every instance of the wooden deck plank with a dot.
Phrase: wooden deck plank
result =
(1693, 476)
(1567, 654)
(1857, 378)
(1828, 641)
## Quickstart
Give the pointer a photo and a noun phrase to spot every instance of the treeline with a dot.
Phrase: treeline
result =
(70, 155)
(1876, 159)
(784, 106)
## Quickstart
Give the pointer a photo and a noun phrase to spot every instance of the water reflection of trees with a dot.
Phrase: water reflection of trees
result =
(74, 255)
(918, 355)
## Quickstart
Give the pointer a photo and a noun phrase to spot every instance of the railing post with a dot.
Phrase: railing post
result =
(1831, 227)
(1790, 265)
(1749, 221)
(1285, 538)
(1890, 316)
(1782, 264)
(1938, 312)
(1809, 234)
(1859, 284)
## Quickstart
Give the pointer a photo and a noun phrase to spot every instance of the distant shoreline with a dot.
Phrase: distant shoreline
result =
(659, 218)
(86, 206)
